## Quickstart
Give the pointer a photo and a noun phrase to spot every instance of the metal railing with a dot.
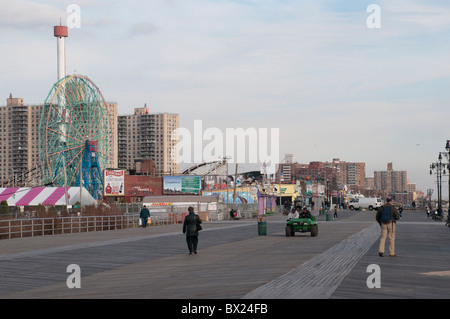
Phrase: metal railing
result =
(19, 228)
(30, 227)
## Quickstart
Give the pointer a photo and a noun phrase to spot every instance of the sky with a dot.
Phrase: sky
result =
(334, 87)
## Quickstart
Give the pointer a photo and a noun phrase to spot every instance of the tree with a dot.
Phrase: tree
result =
(4, 208)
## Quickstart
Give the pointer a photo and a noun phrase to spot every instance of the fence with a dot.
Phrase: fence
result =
(18, 228)
(203, 207)
(30, 227)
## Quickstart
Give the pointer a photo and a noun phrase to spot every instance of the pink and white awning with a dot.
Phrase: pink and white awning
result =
(47, 196)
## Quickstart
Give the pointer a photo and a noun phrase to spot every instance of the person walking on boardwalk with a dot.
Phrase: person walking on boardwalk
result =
(144, 215)
(191, 227)
(335, 216)
(387, 215)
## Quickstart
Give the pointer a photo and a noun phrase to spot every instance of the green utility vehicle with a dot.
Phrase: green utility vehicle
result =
(302, 225)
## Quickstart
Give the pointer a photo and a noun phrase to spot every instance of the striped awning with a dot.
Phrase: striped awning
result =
(47, 196)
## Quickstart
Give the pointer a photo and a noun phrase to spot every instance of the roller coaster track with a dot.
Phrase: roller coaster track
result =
(33, 176)
(29, 178)
(215, 167)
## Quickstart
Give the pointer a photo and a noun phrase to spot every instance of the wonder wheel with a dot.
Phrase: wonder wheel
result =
(75, 137)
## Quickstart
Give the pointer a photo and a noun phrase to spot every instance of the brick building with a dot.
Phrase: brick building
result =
(337, 173)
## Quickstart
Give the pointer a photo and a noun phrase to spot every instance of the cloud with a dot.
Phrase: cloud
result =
(25, 14)
(429, 16)
(311, 68)
(143, 28)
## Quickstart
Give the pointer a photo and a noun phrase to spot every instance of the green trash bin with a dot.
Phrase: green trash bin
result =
(328, 217)
(262, 228)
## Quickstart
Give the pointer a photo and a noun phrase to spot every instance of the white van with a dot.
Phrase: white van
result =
(369, 203)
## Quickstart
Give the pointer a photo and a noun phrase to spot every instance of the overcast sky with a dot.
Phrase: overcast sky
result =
(312, 68)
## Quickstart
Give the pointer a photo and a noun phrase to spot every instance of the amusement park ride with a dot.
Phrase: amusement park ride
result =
(75, 136)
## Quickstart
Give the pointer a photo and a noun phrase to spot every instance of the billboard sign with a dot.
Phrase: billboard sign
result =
(212, 182)
(113, 182)
(182, 185)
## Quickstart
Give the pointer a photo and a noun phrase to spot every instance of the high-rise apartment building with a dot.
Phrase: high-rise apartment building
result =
(19, 138)
(352, 174)
(391, 181)
(145, 135)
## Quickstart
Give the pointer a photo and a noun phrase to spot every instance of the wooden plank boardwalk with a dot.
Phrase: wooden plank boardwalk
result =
(233, 262)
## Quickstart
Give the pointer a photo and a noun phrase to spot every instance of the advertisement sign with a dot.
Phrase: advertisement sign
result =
(142, 185)
(212, 182)
(113, 182)
(182, 185)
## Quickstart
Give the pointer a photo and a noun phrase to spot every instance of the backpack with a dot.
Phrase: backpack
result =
(386, 214)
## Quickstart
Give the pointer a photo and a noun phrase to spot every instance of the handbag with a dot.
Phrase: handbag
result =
(199, 227)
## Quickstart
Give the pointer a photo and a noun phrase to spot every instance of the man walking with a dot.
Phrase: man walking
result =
(144, 215)
(387, 215)
(335, 216)
(191, 226)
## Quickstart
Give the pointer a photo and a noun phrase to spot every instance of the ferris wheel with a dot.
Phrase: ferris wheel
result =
(75, 137)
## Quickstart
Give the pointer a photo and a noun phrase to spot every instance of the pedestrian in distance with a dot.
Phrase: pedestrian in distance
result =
(335, 216)
(144, 215)
(191, 227)
(387, 215)
(234, 214)
(428, 211)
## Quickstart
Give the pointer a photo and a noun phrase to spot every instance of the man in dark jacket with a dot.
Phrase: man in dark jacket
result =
(386, 216)
(190, 228)
(144, 215)
(305, 213)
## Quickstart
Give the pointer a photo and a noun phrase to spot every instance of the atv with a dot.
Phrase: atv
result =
(302, 225)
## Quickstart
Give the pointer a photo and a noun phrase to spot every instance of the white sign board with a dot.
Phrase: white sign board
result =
(114, 182)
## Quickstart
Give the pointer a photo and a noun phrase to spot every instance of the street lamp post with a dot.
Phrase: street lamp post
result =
(439, 167)
(447, 148)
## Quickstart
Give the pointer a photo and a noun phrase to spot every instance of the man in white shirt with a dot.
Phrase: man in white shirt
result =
(293, 214)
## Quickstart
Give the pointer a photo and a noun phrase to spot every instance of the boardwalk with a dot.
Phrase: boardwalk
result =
(233, 262)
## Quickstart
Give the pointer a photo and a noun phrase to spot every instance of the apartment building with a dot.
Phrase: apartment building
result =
(391, 181)
(145, 135)
(19, 137)
(353, 174)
